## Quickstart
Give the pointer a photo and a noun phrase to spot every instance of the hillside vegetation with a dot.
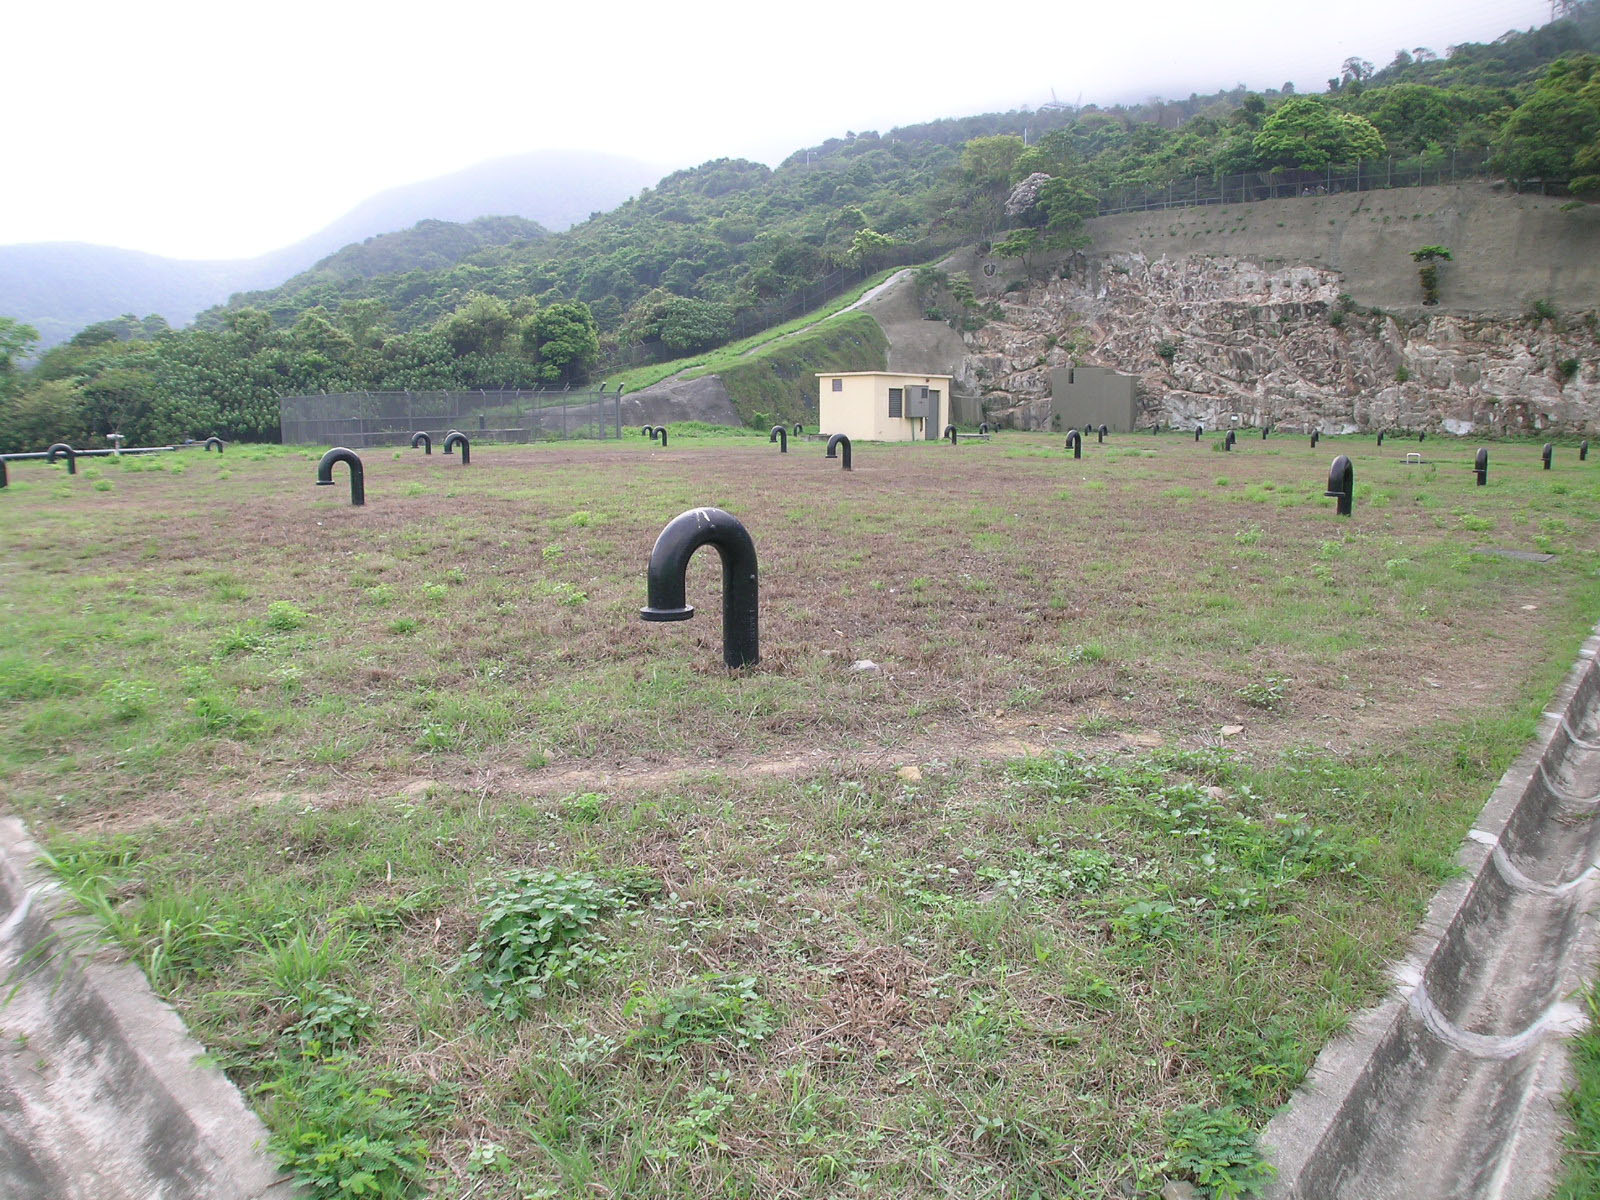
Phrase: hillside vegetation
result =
(670, 272)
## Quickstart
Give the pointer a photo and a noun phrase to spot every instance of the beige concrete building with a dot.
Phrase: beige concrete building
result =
(883, 406)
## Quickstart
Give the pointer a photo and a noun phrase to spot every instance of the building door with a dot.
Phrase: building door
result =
(931, 429)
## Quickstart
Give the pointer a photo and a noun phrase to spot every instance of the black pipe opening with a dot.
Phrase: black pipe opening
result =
(1102, 431)
(1265, 429)
(843, 443)
(780, 435)
(339, 454)
(1380, 437)
(649, 431)
(1481, 465)
(1545, 454)
(1316, 436)
(660, 434)
(1198, 429)
(456, 438)
(950, 433)
(798, 429)
(669, 562)
(1583, 450)
(1342, 485)
(420, 438)
(1075, 443)
(63, 448)
(214, 441)
(983, 427)
(1229, 441)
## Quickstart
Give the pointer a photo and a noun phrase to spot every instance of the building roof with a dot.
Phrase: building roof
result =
(891, 374)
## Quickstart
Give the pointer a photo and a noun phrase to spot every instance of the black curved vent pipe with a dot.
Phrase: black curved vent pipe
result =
(840, 442)
(669, 561)
(1342, 485)
(358, 486)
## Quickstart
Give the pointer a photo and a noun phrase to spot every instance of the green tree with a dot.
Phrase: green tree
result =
(364, 322)
(868, 248)
(483, 324)
(253, 327)
(1305, 133)
(689, 325)
(1428, 273)
(1410, 115)
(569, 341)
(1555, 133)
(39, 413)
(16, 340)
(1067, 203)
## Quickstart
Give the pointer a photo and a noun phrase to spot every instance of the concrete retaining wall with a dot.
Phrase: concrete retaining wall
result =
(1451, 1088)
(102, 1095)
(1509, 250)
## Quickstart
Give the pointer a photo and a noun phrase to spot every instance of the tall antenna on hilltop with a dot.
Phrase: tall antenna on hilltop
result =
(1054, 105)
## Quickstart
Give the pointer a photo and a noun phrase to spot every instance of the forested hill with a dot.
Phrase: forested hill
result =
(671, 271)
(710, 243)
(427, 246)
(59, 288)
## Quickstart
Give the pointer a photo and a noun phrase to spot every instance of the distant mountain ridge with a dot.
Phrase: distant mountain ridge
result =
(60, 287)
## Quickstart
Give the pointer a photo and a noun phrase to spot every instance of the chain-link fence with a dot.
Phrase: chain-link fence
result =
(1276, 185)
(357, 419)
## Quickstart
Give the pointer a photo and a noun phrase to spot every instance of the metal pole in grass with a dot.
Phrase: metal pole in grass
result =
(669, 562)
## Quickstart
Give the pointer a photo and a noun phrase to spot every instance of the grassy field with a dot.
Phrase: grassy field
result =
(480, 886)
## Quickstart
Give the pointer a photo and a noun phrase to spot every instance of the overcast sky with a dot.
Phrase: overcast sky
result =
(210, 129)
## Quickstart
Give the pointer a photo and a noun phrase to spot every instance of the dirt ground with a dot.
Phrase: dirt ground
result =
(1008, 599)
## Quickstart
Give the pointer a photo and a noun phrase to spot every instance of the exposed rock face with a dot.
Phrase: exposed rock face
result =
(1026, 194)
(1214, 337)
